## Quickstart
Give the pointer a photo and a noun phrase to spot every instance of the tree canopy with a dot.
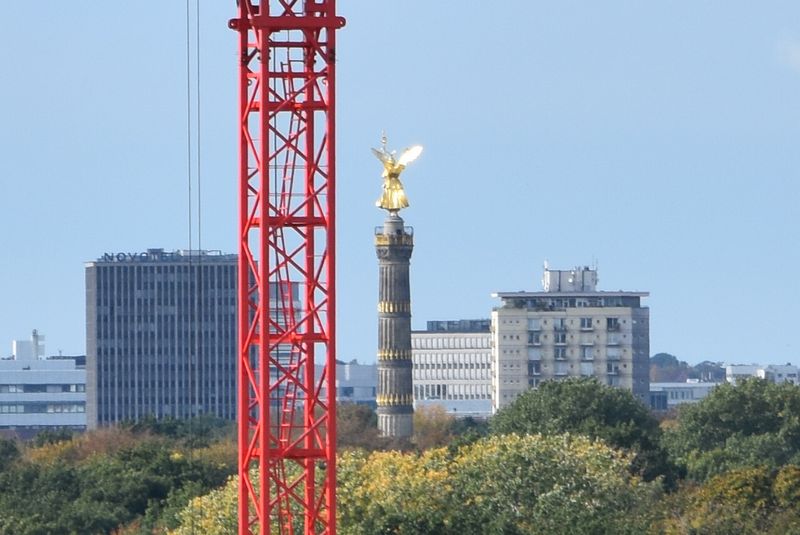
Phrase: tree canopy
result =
(755, 423)
(583, 406)
(504, 484)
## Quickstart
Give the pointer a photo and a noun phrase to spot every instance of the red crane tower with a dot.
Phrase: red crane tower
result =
(286, 362)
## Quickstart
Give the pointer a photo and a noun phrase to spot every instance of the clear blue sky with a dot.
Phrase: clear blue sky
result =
(660, 139)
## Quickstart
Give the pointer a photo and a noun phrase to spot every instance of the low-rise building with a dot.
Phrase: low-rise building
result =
(452, 367)
(37, 393)
(679, 393)
(780, 373)
(775, 373)
(355, 383)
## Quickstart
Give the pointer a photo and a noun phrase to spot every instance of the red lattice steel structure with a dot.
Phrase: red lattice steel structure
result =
(286, 364)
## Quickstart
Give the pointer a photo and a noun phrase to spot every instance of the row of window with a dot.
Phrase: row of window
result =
(450, 365)
(549, 303)
(584, 352)
(537, 338)
(41, 388)
(452, 392)
(450, 374)
(563, 368)
(41, 408)
(585, 323)
(451, 342)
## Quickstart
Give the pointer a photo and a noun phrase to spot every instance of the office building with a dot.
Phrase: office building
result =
(570, 329)
(452, 367)
(161, 335)
(38, 393)
(355, 383)
(676, 394)
(780, 373)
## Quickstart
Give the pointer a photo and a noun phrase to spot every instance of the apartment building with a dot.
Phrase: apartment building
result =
(570, 329)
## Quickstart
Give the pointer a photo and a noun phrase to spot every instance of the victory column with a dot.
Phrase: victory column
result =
(394, 243)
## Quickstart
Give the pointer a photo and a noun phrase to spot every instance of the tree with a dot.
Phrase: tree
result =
(752, 500)
(666, 368)
(499, 485)
(553, 484)
(754, 423)
(433, 427)
(9, 452)
(585, 407)
(99, 481)
(708, 371)
(357, 427)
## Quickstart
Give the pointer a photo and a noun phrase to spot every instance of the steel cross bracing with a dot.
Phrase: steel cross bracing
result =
(287, 424)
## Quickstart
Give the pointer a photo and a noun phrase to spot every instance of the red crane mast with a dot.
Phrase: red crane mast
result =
(286, 306)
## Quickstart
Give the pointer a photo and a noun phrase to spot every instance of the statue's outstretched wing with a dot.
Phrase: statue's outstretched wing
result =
(383, 156)
(409, 155)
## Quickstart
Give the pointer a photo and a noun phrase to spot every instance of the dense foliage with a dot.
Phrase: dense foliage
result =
(585, 407)
(571, 457)
(505, 485)
(756, 423)
(100, 481)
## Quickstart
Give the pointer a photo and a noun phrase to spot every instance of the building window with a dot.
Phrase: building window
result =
(587, 352)
(560, 338)
(560, 352)
(586, 324)
(612, 324)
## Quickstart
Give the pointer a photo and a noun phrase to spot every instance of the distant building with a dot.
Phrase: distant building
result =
(679, 393)
(774, 373)
(37, 393)
(737, 372)
(779, 374)
(569, 330)
(355, 383)
(161, 335)
(452, 366)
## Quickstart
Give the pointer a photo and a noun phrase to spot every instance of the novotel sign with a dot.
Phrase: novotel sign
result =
(150, 255)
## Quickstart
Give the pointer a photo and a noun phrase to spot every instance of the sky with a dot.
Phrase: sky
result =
(657, 140)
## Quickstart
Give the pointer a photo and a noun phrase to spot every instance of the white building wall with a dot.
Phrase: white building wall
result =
(453, 370)
(42, 393)
(680, 393)
(737, 372)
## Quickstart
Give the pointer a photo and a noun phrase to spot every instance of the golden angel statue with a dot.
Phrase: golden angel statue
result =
(394, 198)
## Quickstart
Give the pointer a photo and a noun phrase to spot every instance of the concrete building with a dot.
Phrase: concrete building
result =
(160, 335)
(452, 367)
(736, 372)
(394, 243)
(37, 393)
(569, 330)
(780, 373)
(774, 373)
(355, 383)
(680, 393)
